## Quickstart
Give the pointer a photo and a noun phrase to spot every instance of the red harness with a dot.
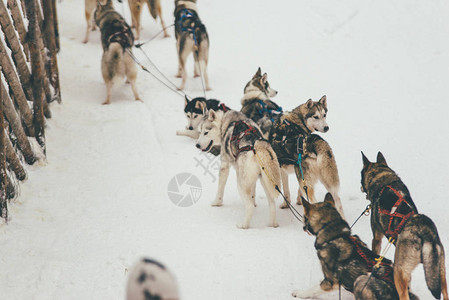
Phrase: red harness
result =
(242, 129)
(362, 252)
(224, 108)
(394, 214)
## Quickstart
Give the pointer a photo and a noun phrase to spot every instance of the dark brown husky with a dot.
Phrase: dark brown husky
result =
(345, 259)
(395, 216)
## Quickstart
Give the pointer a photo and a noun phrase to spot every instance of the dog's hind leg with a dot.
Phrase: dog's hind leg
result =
(108, 92)
(406, 258)
(285, 187)
(247, 174)
(131, 74)
(159, 13)
(136, 12)
(184, 49)
(222, 178)
(268, 188)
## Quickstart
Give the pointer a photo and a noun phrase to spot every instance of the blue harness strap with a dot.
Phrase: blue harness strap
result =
(265, 109)
(185, 15)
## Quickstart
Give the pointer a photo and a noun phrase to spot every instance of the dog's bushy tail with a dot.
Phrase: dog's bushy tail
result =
(153, 5)
(433, 259)
(113, 68)
(271, 172)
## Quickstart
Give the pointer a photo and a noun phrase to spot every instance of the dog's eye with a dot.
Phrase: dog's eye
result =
(206, 132)
(195, 116)
(324, 115)
(316, 117)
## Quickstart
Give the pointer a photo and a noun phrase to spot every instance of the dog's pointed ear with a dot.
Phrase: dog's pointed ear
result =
(329, 199)
(258, 73)
(109, 3)
(264, 78)
(212, 115)
(306, 205)
(366, 161)
(381, 159)
(201, 105)
(186, 101)
(309, 103)
(323, 101)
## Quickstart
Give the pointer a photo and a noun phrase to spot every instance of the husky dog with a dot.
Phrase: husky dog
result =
(256, 103)
(415, 235)
(292, 139)
(345, 259)
(116, 38)
(243, 147)
(150, 280)
(136, 11)
(195, 110)
(191, 36)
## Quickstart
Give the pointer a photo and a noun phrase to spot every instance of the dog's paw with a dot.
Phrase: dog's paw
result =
(166, 35)
(242, 226)
(208, 88)
(274, 225)
(217, 203)
(300, 294)
(283, 205)
(106, 102)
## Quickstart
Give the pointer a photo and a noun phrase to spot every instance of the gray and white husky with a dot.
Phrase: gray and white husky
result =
(116, 38)
(290, 132)
(191, 36)
(243, 147)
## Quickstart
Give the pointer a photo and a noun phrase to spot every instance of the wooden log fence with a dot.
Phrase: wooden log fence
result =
(29, 82)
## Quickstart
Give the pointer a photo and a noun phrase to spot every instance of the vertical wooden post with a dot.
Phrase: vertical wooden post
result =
(50, 41)
(37, 73)
(3, 174)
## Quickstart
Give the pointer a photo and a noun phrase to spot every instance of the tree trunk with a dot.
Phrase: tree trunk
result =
(49, 34)
(13, 160)
(16, 126)
(18, 24)
(14, 85)
(3, 174)
(37, 71)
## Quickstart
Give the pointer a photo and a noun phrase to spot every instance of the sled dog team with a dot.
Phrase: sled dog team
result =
(117, 40)
(261, 141)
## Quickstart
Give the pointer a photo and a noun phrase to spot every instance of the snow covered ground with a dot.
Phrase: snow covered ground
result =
(101, 200)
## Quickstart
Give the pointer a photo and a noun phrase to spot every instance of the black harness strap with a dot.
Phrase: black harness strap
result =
(242, 129)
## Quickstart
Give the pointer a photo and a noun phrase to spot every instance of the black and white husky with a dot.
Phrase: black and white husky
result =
(194, 111)
(191, 36)
(243, 147)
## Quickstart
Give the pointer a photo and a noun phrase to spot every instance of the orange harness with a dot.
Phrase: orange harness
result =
(394, 214)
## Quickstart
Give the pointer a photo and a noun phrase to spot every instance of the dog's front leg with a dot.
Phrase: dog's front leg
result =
(190, 133)
(324, 287)
(284, 177)
(222, 178)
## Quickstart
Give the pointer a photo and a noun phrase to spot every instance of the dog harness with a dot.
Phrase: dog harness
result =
(188, 14)
(393, 233)
(224, 108)
(270, 112)
(362, 252)
(242, 129)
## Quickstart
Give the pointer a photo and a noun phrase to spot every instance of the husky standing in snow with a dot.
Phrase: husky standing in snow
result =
(116, 38)
(290, 135)
(154, 6)
(243, 147)
(151, 280)
(191, 36)
(194, 111)
(395, 216)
